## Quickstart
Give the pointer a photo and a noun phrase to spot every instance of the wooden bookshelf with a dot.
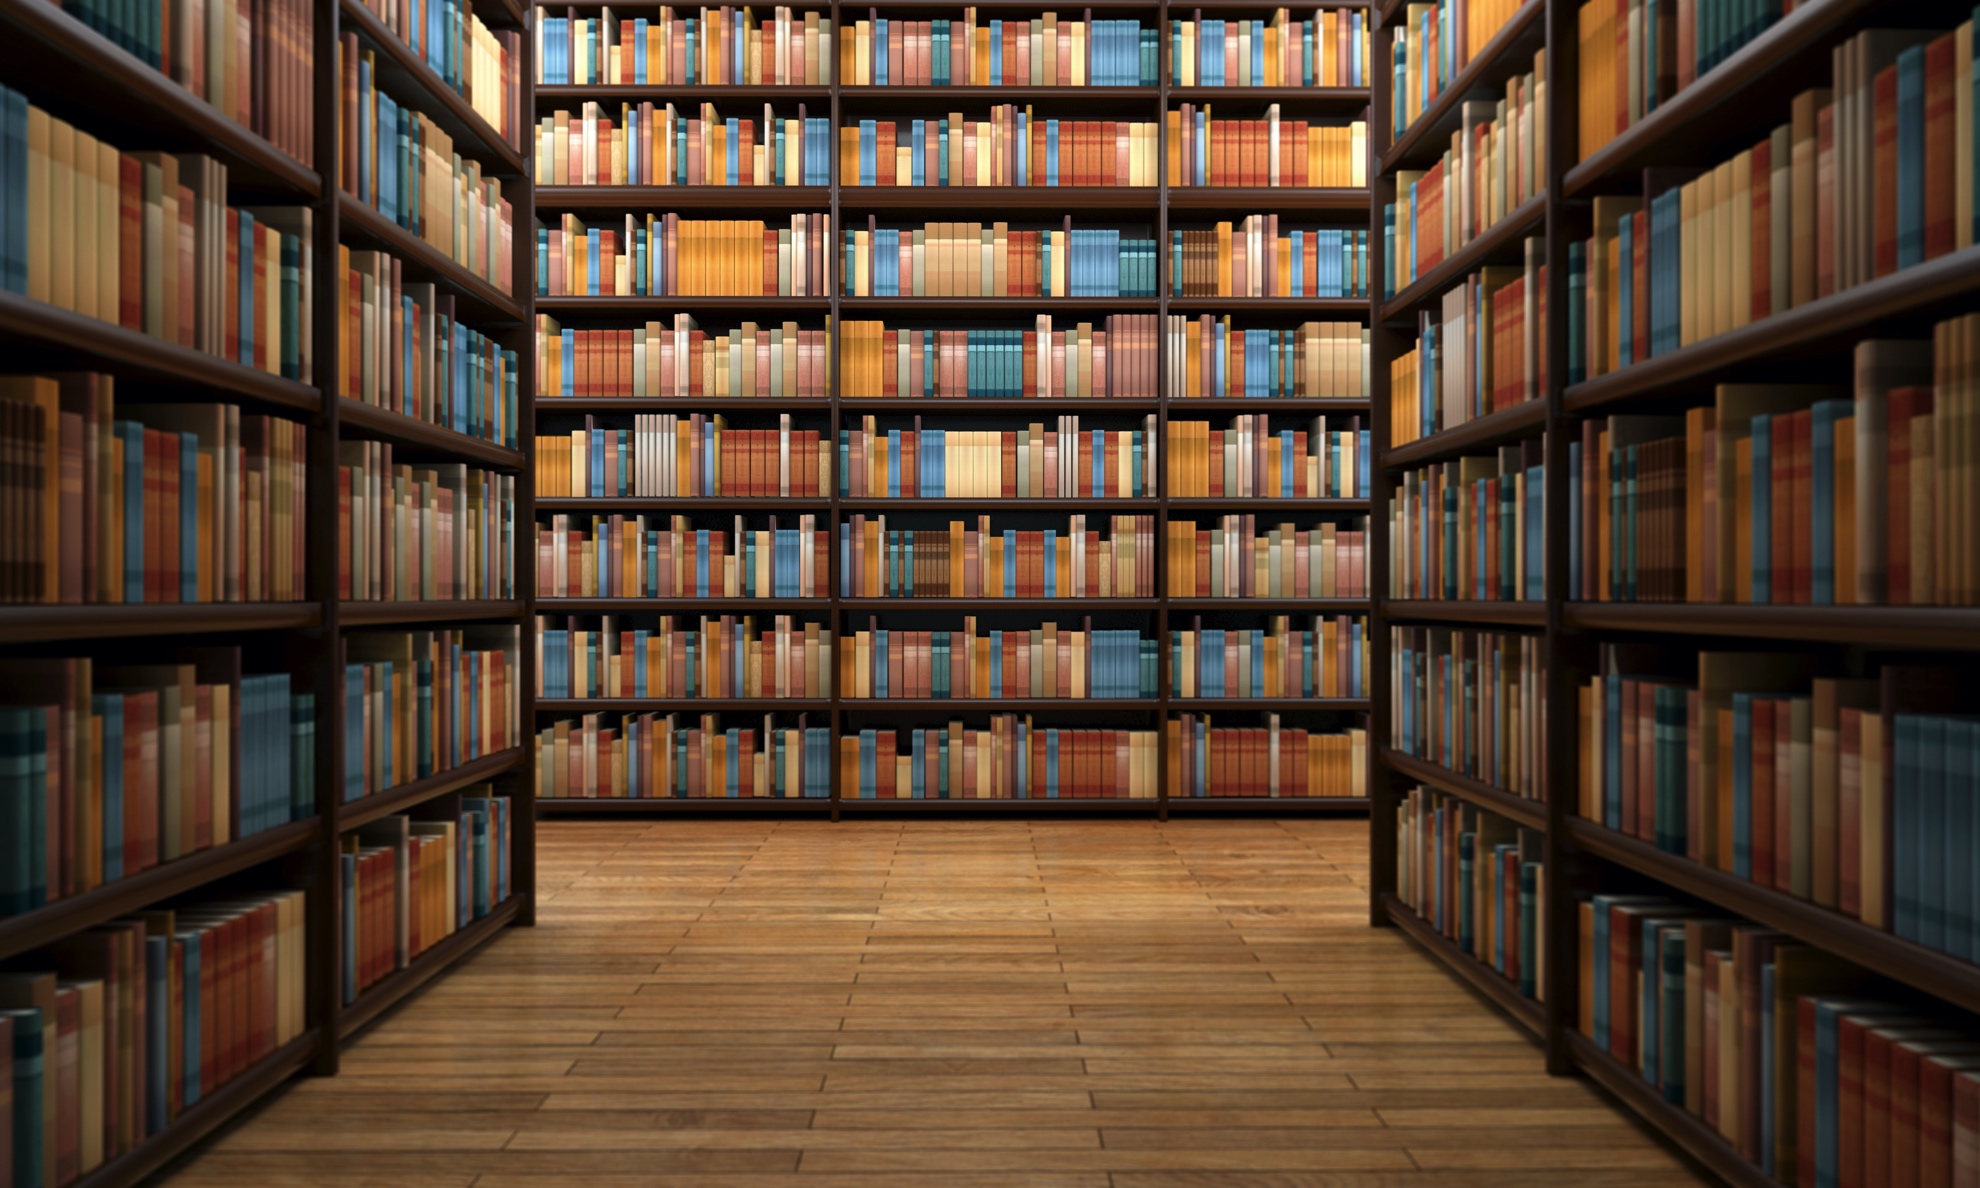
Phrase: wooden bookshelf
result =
(1489, 983)
(395, 988)
(80, 76)
(1152, 210)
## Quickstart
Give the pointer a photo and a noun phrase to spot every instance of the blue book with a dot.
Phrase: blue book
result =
(29, 1089)
(1822, 498)
(1670, 1060)
(1958, 766)
(1905, 835)
(1932, 824)
(1911, 157)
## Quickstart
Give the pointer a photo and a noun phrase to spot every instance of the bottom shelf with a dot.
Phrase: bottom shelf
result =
(1268, 804)
(1043, 805)
(207, 1115)
(1690, 1133)
(1528, 1013)
(792, 805)
(394, 987)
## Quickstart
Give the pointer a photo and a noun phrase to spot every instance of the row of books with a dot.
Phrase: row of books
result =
(1041, 51)
(1231, 558)
(1047, 661)
(669, 455)
(714, 657)
(407, 532)
(1482, 350)
(1211, 359)
(1328, 660)
(1329, 49)
(147, 503)
(1012, 760)
(1631, 61)
(682, 360)
(1270, 761)
(1434, 41)
(722, 46)
(410, 883)
(974, 260)
(961, 561)
(668, 256)
(1204, 151)
(404, 347)
(401, 163)
(1852, 793)
(1811, 1068)
(1473, 702)
(1064, 462)
(482, 65)
(112, 1034)
(114, 769)
(658, 146)
(657, 756)
(417, 703)
(1013, 147)
(1478, 879)
(1790, 493)
(1326, 460)
(146, 241)
(249, 61)
(1495, 162)
(1251, 259)
(1117, 359)
(621, 557)
(1863, 181)
(1471, 528)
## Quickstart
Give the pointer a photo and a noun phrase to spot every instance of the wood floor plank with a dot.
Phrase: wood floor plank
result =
(942, 1004)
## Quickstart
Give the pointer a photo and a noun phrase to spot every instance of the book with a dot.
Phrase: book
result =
(482, 65)
(412, 533)
(1210, 358)
(666, 255)
(673, 455)
(975, 259)
(1046, 50)
(713, 657)
(984, 561)
(1013, 759)
(1115, 358)
(412, 879)
(1237, 557)
(1326, 460)
(1252, 259)
(620, 556)
(1472, 875)
(645, 145)
(1271, 761)
(405, 349)
(1472, 702)
(1042, 662)
(1205, 151)
(1012, 147)
(1434, 42)
(649, 756)
(418, 703)
(1470, 528)
(1064, 462)
(681, 360)
(1329, 49)
(1482, 349)
(1636, 56)
(719, 46)
(1281, 661)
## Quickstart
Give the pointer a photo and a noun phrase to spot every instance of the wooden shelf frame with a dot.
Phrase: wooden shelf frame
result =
(1489, 983)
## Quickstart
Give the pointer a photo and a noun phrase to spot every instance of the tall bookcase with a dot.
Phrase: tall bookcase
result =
(70, 70)
(1725, 110)
(1158, 208)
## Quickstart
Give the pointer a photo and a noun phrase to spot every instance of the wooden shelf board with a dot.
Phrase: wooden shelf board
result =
(987, 405)
(1223, 705)
(400, 429)
(999, 705)
(1493, 429)
(1267, 805)
(72, 340)
(413, 83)
(1269, 405)
(1272, 606)
(1931, 627)
(388, 612)
(881, 606)
(353, 813)
(551, 405)
(1687, 1132)
(1260, 506)
(996, 306)
(42, 624)
(995, 200)
(477, 302)
(44, 925)
(1346, 96)
(788, 199)
(636, 503)
(1305, 306)
(1531, 614)
(1529, 814)
(684, 705)
(946, 97)
(643, 308)
(723, 606)
(1092, 506)
(1247, 199)
(1490, 984)
(1901, 960)
(135, 105)
(687, 805)
(1492, 64)
(1498, 239)
(395, 987)
(548, 95)
(1831, 321)
(203, 1117)
(861, 805)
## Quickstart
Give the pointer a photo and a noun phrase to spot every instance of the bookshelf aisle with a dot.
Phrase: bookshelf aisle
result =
(808, 541)
(1739, 627)
(174, 635)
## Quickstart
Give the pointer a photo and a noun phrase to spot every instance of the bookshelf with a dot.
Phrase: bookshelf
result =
(79, 75)
(1157, 208)
(1811, 338)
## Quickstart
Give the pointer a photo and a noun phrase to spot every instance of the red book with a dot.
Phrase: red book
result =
(1801, 473)
(1939, 86)
(130, 228)
(1825, 200)
(1764, 710)
(1762, 236)
(1884, 160)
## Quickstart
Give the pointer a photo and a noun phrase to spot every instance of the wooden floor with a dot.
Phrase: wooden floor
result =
(956, 1003)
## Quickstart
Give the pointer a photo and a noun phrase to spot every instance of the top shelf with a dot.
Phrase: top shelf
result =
(72, 70)
(403, 69)
(1428, 136)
